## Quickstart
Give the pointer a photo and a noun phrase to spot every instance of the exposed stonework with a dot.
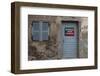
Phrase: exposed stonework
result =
(83, 38)
(52, 49)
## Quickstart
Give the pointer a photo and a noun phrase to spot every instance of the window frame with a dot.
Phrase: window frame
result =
(41, 31)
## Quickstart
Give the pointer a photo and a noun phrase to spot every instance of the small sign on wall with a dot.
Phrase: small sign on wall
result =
(69, 31)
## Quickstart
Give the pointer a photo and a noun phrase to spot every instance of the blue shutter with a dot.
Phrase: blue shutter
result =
(40, 30)
(45, 26)
(45, 30)
(36, 26)
(35, 30)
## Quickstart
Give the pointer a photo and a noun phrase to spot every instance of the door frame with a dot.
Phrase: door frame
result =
(77, 22)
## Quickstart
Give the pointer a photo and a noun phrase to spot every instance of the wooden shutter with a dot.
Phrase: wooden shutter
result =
(45, 30)
(35, 30)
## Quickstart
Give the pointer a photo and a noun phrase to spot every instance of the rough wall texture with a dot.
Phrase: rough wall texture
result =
(45, 49)
(52, 49)
(83, 38)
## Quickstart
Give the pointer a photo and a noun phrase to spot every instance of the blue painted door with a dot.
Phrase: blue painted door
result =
(69, 40)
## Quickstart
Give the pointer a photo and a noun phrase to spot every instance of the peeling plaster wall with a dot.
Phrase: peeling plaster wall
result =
(83, 38)
(53, 48)
(45, 49)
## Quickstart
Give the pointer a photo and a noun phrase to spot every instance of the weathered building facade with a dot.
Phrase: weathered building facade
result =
(49, 44)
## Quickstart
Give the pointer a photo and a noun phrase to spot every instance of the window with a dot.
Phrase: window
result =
(40, 30)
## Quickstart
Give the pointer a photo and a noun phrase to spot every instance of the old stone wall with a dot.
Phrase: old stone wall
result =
(44, 49)
(53, 48)
(83, 38)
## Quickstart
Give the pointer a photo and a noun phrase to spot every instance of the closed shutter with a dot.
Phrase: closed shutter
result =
(40, 30)
(35, 30)
(70, 40)
(45, 31)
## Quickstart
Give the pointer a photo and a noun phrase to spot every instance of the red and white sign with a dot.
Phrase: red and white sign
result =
(69, 31)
